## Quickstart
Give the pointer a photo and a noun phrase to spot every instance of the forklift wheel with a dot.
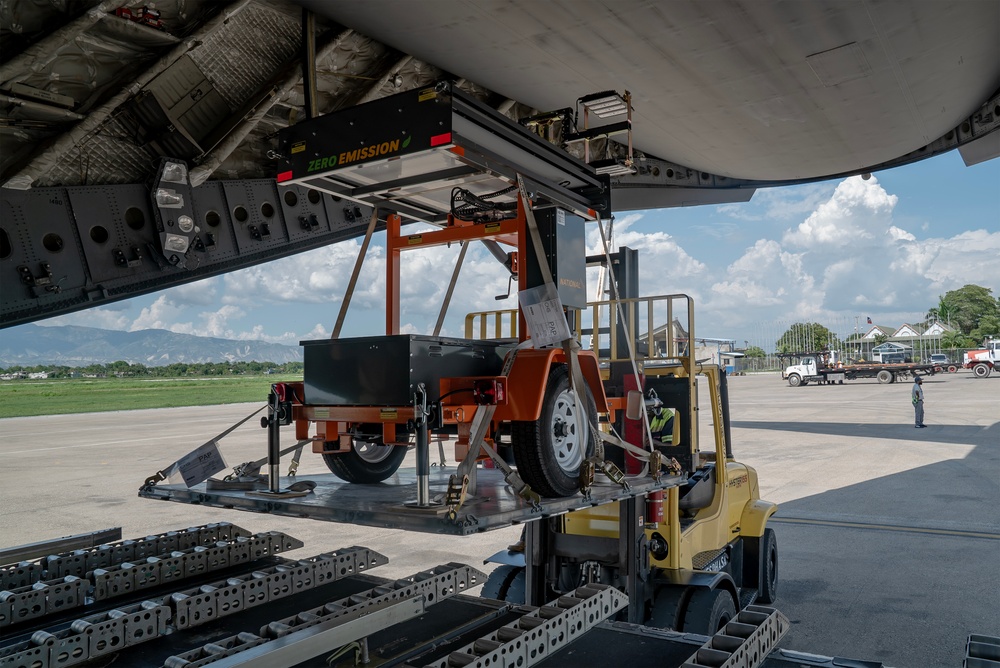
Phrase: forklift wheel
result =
(708, 611)
(666, 604)
(367, 463)
(505, 583)
(769, 569)
(549, 451)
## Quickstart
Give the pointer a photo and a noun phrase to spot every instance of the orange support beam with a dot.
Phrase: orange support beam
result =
(392, 226)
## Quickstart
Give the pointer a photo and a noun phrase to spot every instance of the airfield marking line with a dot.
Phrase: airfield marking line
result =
(887, 527)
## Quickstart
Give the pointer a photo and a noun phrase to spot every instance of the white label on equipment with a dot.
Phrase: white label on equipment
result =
(544, 314)
(200, 464)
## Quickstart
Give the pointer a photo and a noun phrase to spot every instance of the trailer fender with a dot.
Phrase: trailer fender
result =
(753, 521)
(526, 382)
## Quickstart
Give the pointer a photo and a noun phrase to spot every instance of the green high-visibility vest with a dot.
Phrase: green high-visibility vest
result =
(659, 423)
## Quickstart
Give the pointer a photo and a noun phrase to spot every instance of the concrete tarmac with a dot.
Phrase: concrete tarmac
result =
(889, 536)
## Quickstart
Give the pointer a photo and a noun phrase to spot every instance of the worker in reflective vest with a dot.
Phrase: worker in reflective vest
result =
(662, 425)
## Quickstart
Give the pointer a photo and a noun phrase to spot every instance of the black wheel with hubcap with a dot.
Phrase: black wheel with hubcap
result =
(550, 450)
(370, 460)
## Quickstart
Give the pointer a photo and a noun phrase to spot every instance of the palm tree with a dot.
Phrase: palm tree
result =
(943, 312)
(954, 339)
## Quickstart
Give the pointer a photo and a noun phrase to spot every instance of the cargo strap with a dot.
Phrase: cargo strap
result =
(570, 346)
(654, 458)
(480, 424)
(628, 339)
(162, 475)
(248, 469)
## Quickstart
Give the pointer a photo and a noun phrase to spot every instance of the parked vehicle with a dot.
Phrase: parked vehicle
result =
(823, 367)
(984, 361)
(943, 361)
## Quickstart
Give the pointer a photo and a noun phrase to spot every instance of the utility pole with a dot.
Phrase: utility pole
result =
(857, 342)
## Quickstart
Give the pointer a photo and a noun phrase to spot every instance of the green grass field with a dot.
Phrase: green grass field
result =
(20, 398)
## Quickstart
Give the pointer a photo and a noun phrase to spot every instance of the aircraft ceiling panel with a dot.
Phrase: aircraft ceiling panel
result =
(745, 89)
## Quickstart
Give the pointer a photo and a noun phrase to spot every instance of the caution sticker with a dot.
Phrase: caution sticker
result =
(388, 414)
(298, 147)
(414, 239)
(492, 228)
(321, 412)
(428, 94)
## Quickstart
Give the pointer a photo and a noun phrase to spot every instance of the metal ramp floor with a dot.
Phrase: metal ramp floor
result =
(389, 504)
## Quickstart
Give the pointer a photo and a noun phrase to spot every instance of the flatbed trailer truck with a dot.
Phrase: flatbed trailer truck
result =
(808, 368)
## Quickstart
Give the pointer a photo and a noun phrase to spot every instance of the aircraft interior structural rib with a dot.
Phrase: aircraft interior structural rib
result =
(139, 145)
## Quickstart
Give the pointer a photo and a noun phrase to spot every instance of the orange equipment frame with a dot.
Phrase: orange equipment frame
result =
(524, 386)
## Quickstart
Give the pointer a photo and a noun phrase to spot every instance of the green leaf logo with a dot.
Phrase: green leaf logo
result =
(406, 142)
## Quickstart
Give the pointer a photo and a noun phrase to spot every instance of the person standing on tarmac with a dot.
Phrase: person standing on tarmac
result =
(917, 396)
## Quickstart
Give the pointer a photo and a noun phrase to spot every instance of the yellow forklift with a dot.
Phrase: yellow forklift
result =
(693, 554)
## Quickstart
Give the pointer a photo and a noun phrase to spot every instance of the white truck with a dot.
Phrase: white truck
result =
(983, 361)
(824, 367)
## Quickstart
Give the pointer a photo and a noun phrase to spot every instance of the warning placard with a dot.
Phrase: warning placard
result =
(199, 464)
(543, 311)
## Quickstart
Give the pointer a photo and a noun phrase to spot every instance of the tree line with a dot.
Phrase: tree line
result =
(124, 369)
(971, 313)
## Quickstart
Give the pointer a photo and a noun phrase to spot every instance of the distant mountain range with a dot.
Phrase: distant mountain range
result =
(31, 345)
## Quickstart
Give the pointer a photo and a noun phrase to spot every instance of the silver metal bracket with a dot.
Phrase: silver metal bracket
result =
(336, 623)
(744, 642)
(540, 632)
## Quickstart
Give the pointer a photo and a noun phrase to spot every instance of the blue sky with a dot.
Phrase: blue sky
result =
(884, 248)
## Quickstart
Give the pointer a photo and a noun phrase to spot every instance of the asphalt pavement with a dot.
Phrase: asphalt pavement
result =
(889, 536)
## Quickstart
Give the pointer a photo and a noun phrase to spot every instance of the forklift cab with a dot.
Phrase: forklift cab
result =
(671, 394)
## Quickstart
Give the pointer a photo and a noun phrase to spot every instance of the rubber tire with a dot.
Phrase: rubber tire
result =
(795, 380)
(666, 607)
(885, 377)
(534, 450)
(708, 611)
(768, 591)
(505, 583)
(981, 371)
(353, 468)
(952, 368)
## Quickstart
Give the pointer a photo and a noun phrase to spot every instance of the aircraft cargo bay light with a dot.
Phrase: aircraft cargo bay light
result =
(728, 97)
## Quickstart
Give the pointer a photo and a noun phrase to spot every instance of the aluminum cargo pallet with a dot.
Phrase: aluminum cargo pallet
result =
(385, 504)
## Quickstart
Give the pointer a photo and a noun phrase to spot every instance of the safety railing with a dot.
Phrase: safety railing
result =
(500, 324)
(658, 326)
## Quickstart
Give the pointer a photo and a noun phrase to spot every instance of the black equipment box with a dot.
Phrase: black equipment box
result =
(565, 247)
(385, 370)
